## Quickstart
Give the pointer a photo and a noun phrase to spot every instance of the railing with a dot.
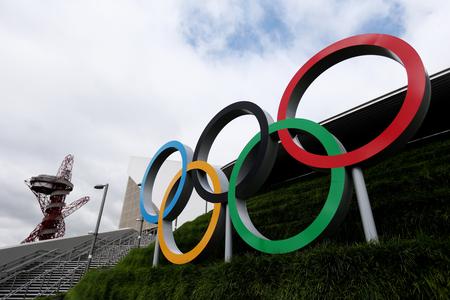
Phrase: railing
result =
(20, 260)
(68, 255)
(103, 257)
(110, 255)
(78, 248)
(10, 269)
(124, 245)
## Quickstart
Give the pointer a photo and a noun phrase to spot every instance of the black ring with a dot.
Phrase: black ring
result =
(255, 171)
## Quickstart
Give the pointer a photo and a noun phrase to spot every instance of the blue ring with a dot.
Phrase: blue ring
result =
(153, 167)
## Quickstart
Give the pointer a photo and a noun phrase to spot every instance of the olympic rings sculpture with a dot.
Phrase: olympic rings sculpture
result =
(257, 159)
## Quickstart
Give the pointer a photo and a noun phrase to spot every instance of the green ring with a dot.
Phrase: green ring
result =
(238, 209)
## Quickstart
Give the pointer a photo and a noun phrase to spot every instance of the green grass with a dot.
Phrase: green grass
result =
(410, 198)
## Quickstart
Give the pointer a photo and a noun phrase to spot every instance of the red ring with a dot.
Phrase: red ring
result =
(394, 48)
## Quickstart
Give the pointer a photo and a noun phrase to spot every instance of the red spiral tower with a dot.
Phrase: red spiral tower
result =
(51, 192)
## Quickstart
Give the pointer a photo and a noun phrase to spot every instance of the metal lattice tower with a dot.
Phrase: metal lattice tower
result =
(51, 192)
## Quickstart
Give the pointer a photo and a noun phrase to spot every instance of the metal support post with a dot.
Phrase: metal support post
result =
(228, 236)
(368, 223)
(156, 253)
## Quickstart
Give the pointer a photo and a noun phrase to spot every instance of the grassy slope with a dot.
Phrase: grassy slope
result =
(410, 197)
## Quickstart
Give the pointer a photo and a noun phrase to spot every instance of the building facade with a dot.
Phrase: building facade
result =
(131, 206)
(130, 209)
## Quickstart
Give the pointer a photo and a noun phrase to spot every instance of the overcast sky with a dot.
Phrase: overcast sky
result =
(106, 80)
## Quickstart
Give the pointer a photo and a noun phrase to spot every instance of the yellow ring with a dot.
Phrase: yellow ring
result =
(175, 255)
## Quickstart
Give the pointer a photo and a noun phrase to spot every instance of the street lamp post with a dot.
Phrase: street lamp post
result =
(140, 231)
(91, 252)
(141, 219)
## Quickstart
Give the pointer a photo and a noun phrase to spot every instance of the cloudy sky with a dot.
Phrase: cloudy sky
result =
(106, 80)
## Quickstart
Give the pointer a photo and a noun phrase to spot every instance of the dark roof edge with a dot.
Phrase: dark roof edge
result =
(380, 98)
